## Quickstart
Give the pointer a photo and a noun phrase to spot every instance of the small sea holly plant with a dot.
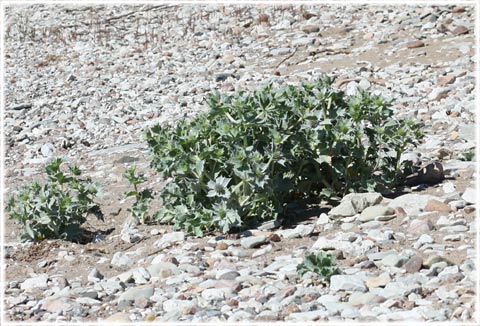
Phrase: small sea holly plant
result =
(251, 154)
(321, 263)
(142, 198)
(57, 208)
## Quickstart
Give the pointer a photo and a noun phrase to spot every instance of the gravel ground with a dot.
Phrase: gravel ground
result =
(83, 83)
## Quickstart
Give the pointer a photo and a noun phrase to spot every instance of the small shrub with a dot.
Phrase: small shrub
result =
(467, 156)
(142, 198)
(57, 208)
(251, 154)
(323, 264)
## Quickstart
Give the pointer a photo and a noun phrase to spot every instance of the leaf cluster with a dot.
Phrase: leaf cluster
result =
(56, 208)
(142, 197)
(252, 153)
(321, 263)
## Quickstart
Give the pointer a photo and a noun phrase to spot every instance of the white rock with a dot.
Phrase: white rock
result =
(347, 283)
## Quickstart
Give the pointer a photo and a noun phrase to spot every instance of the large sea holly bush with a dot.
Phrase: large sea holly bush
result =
(251, 154)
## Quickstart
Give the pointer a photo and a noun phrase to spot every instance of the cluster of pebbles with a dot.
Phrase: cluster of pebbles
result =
(84, 83)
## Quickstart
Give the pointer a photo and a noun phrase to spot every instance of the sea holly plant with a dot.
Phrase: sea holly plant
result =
(251, 154)
(57, 208)
(142, 198)
(321, 263)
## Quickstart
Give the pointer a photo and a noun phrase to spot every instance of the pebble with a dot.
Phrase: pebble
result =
(347, 283)
(253, 242)
(470, 195)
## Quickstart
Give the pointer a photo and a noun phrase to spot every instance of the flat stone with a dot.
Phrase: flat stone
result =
(445, 80)
(418, 226)
(169, 239)
(95, 275)
(253, 242)
(58, 305)
(454, 228)
(434, 205)
(35, 283)
(460, 30)
(354, 203)
(361, 298)
(415, 44)
(379, 281)
(393, 260)
(430, 260)
(413, 204)
(310, 29)
(178, 305)
(438, 93)
(347, 283)
(372, 212)
(132, 294)
(414, 264)
(226, 274)
(163, 270)
(216, 294)
(423, 239)
(307, 316)
(299, 231)
(121, 259)
(119, 317)
(470, 195)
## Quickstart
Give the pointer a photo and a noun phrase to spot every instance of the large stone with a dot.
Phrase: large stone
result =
(379, 281)
(121, 259)
(434, 205)
(35, 283)
(414, 264)
(169, 239)
(347, 283)
(163, 270)
(355, 203)
(253, 242)
(137, 293)
(299, 231)
(413, 204)
(373, 212)
(470, 195)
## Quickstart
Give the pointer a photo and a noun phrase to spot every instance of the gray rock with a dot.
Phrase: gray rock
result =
(169, 239)
(121, 259)
(307, 316)
(47, 150)
(252, 242)
(301, 230)
(347, 283)
(226, 274)
(280, 51)
(216, 294)
(373, 212)
(133, 294)
(454, 228)
(110, 287)
(414, 264)
(470, 195)
(141, 275)
(355, 203)
(393, 260)
(163, 270)
(413, 204)
(303, 41)
(38, 282)
(178, 305)
(95, 276)
(424, 238)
